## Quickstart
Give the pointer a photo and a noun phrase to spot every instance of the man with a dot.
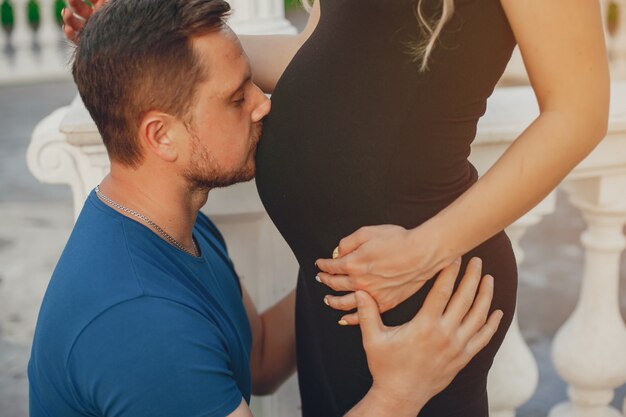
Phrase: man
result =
(144, 314)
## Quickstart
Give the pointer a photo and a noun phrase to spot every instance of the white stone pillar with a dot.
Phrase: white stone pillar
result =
(256, 17)
(514, 375)
(589, 351)
(49, 33)
(22, 36)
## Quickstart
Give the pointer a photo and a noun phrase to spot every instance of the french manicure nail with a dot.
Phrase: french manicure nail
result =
(326, 301)
(342, 322)
(317, 278)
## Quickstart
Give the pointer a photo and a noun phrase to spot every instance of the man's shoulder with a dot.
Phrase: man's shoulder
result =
(208, 228)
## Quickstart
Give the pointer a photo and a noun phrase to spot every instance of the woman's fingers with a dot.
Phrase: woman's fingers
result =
(344, 302)
(477, 315)
(70, 33)
(72, 23)
(98, 4)
(337, 266)
(463, 298)
(336, 282)
(80, 8)
(351, 319)
(439, 295)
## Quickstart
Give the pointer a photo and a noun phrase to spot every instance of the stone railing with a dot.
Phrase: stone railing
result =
(589, 349)
(32, 47)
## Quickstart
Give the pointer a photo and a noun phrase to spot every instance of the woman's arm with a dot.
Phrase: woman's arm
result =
(270, 54)
(564, 52)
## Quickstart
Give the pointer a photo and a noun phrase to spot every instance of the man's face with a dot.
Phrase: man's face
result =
(226, 117)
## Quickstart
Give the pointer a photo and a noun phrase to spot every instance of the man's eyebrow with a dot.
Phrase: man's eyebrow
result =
(245, 81)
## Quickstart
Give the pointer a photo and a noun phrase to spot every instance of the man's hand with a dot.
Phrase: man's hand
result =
(75, 18)
(415, 361)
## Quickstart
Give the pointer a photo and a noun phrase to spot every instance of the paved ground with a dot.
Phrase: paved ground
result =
(35, 221)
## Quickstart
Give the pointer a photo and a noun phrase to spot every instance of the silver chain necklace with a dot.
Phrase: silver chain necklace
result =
(146, 220)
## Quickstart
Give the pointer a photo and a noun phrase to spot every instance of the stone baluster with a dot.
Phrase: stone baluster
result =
(514, 376)
(260, 17)
(22, 37)
(589, 351)
(49, 33)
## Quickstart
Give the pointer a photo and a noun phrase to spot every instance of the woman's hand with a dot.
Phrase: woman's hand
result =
(415, 361)
(389, 262)
(74, 19)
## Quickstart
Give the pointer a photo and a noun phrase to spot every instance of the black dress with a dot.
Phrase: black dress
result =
(358, 136)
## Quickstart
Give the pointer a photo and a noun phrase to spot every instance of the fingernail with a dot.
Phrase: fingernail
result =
(342, 322)
(478, 263)
(336, 252)
(317, 278)
(489, 279)
(457, 260)
(326, 301)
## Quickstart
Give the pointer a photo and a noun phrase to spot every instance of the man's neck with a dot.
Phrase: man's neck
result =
(173, 207)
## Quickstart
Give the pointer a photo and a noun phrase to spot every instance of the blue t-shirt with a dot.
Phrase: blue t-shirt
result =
(132, 326)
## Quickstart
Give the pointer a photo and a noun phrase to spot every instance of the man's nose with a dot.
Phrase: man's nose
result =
(262, 109)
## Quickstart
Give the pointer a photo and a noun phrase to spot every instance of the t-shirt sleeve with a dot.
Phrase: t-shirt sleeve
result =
(153, 357)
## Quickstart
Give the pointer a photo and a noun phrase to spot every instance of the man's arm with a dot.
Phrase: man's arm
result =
(273, 357)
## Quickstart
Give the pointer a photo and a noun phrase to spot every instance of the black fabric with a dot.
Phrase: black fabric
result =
(358, 136)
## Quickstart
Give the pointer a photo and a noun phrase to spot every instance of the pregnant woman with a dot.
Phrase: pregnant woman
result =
(371, 124)
(375, 105)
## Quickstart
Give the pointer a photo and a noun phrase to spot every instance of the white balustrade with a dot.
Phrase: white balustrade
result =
(36, 55)
(589, 351)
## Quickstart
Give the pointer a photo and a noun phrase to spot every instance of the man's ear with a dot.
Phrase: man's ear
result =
(157, 135)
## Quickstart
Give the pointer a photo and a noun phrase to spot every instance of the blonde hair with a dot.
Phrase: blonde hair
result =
(422, 50)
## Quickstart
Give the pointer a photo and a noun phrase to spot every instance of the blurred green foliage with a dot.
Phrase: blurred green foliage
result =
(32, 14)
(6, 15)
(292, 3)
(59, 5)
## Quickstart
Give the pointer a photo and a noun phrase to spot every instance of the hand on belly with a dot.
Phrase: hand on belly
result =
(386, 261)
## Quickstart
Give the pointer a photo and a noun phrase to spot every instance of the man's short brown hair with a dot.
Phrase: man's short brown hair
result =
(134, 56)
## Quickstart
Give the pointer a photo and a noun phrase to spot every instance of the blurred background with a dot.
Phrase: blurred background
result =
(36, 218)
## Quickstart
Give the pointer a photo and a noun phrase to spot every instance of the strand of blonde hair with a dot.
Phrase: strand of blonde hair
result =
(422, 50)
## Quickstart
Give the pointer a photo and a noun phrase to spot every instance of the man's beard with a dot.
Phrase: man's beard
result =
(204, 173)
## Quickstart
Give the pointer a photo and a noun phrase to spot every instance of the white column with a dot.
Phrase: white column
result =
(22, 36)
(49, 32)
(260, 17)
(514, 375)
(589, 351)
